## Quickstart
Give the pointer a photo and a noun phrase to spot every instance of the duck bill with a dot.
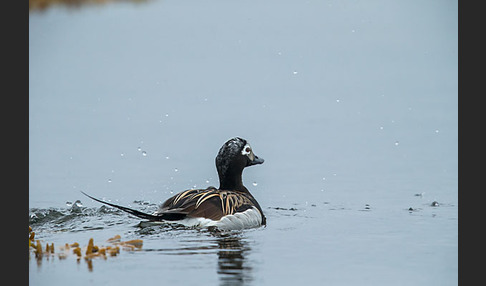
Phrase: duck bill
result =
(257, 160)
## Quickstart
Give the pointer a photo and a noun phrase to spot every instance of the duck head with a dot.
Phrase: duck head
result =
(235, 155)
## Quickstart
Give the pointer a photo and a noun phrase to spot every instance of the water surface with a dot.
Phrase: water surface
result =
(353, 106)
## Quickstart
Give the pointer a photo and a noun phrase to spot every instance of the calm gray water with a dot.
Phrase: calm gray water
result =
(352, 104)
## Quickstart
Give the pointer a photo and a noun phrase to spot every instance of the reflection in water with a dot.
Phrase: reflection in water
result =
(39, 5)
(230, 247)
(231, 261)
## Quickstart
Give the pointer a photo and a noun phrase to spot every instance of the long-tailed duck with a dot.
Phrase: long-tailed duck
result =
(231, 206)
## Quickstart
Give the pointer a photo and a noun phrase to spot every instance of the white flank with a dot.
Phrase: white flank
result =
(248, 219)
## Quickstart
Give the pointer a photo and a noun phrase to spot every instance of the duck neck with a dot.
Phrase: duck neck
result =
(232, 182)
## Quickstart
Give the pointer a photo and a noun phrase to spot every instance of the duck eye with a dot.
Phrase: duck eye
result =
(246, 150)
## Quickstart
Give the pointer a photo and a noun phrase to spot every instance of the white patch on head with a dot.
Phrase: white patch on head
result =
(246, 150)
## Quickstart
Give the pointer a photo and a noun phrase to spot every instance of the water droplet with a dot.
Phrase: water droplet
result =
(207, 181)
(176, 170)
(295, 72)
(122, 154)
(144, 153)
(78, 203)
(139, 149)
(337, 100)
(255, 184)
(167, 157)
(396, 143)
(109, 180)
(69, 204)
(167, 115)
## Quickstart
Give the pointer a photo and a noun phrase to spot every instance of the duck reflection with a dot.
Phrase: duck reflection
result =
(231, 248)
(232, 266)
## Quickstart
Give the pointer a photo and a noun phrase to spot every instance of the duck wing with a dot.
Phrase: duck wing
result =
(209, 203)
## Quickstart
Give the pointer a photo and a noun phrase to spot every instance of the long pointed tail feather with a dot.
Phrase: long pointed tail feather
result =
(128, 210)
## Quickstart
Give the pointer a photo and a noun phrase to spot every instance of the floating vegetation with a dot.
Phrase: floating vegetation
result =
(283, 209)
(89, 252)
